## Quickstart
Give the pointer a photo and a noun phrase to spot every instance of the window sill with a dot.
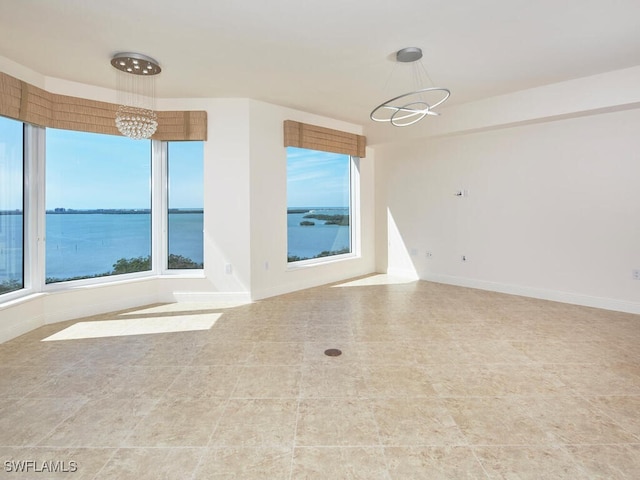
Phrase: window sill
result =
(316, 262)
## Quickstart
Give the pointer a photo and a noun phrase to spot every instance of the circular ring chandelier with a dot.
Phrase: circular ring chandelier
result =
(405, 114)
(409, 108)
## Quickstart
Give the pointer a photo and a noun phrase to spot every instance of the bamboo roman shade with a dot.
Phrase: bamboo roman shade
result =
(303, 135)
(22, 101)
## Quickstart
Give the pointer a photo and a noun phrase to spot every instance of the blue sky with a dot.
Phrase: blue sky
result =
(88, 171)
(10, 164)
(317, 179)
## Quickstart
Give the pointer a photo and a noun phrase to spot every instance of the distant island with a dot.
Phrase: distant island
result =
(118, 211)
(330, 219)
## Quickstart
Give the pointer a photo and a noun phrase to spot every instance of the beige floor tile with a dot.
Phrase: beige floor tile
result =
(615, 379)
(27, 421)
(333, 381)
(624, 410)
(494, 380)
(432, 378)
(491, 351)
(19, 381)
(287, 332)
(152, 464)
(433, 463)
(177, 422)
(101, 422)
(530, 463)
(268, 382)
(436, 352)
(52, 463)
(245, 463)
(43, 354)
(256, 423)
(608, 462)
(409, 421)
(143, 381)
(588, 352)
(340, 463)
(117, 351)
(99, 381)
(87, 381)
(398, 381)
(574, 420)
(336, 422)
(168, 353)
(377, 332)
(410, 331)
(223, 353)
(496, 421)
(208, 381)
(387, 353)
(277, 353)
(329, 333)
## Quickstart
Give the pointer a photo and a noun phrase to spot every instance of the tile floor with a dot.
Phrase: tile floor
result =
(435, 382)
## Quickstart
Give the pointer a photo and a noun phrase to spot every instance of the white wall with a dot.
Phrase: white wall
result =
(553, 209)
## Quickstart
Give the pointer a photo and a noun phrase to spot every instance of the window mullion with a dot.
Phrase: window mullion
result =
(34, 208)
(159, 207)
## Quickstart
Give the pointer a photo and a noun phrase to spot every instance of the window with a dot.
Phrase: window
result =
(185, 205)
(98, 205)
(11, 205)
(319, 213)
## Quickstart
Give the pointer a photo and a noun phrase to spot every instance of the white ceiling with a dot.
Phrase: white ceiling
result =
(331, 57)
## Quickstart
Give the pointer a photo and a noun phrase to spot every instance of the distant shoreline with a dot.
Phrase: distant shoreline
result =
(105, 211)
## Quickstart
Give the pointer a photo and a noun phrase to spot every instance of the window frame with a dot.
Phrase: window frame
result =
(105, 279)
(164, 229)
(26, 277)
(34, 222)
(354, 223)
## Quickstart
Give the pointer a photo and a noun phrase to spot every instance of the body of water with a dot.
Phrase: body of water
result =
(87, 244)
(309, 241)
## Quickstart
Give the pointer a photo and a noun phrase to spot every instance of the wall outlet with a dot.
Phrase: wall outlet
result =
(228, 268)
(429, 254)
(636, 274)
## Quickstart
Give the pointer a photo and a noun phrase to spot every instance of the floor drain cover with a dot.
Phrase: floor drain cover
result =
(332, 352)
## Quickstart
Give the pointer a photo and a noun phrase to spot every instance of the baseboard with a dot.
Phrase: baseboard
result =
(225, 298)
(408, 273)
(543, 294)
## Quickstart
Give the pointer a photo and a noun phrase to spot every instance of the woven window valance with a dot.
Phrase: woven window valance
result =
(22, 101)
(303, 135)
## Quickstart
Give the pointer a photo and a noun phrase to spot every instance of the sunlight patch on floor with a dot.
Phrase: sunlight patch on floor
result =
(139, 326)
